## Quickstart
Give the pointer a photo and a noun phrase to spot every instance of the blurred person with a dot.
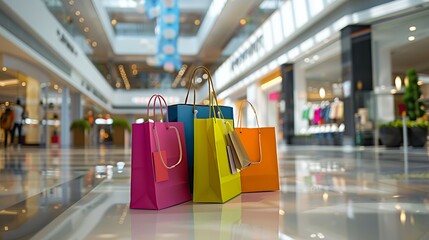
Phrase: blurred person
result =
(18, 110)
(7, 119)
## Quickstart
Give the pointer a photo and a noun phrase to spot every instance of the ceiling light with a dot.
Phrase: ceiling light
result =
(4, 69)
(71, 2)
(9, 82)
(118, 84)
(81, 19)
(413, 28)
(56, 86)
(124, 76)
(135, 72)
(411, 38)
(243, 21)
(114, 22)
(94, 44)
(205, 76)
(197, 22)
(86, 29)
(77, 13)
(134, 66)
(271, 83)
(24, 84)
(398, 83)
(179, 76)
(322, 93)
(406, 82)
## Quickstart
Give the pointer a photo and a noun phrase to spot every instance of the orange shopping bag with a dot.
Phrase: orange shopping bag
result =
(261, 146)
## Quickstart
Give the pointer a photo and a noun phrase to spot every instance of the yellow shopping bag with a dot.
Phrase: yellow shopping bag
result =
(213, 180)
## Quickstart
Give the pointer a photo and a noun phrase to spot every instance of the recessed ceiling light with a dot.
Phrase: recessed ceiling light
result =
(411, 38)
(413, 28)
(197, 22)
(118, 84)
(77, 13)
(71, 2)
(114, 22)
(81, 19)
(4, 69)
(24, 84)
(86, 29)
(94, 44)
(243, 21)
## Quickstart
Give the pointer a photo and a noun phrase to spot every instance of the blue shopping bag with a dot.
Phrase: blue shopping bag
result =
(187, 112)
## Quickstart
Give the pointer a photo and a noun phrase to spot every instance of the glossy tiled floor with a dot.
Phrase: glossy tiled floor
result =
(326, 193)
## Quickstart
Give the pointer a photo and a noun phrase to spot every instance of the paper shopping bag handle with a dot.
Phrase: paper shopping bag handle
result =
(159, 147)
(211, 90)
(240, 122)
(159, 98)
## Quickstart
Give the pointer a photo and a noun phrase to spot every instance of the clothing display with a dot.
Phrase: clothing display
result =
(324, 112)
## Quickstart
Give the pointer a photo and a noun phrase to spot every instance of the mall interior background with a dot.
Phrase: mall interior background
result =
(70, 60)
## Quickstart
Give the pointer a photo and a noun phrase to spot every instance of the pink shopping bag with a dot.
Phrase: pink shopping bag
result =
(159, 171)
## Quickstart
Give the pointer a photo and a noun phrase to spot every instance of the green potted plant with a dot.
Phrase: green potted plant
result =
(415, 110)
(120, 132)
(391, 133)
(80, 129)
(417, 133)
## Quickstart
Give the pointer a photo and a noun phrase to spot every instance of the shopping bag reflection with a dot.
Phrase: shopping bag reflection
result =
(169, 223)
(260, 218)
(217, 221)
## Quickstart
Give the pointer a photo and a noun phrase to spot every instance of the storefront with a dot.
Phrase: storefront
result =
(400, 45)
(318, 97)
(16, 85)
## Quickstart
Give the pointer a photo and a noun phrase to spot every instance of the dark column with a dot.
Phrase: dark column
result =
(287, 99)
(356, 72)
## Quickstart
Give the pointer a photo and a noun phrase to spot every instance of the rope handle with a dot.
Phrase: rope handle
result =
(211, 90)
(159, 147)
(240, 122)
(158, 97)
(240, 115)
